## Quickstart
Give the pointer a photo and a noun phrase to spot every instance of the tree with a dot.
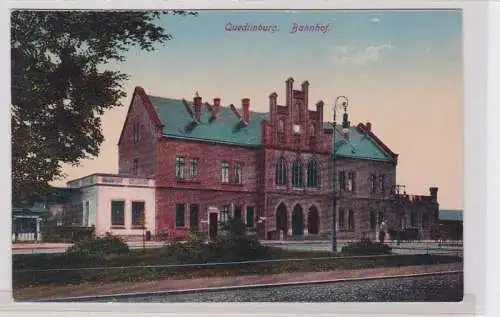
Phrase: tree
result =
(60, 86)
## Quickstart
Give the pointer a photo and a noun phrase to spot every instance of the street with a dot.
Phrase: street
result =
(435, 288)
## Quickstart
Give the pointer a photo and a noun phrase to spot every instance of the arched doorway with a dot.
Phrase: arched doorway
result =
(297, 221)
(313, 220)
(281, 219)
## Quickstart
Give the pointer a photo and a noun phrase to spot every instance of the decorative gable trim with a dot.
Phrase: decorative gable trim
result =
(153, 115)
(364, 129)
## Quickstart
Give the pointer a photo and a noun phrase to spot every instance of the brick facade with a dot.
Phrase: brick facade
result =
(292, 133)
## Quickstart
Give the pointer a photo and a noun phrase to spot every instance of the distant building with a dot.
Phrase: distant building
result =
(273, 170)
(451, 224)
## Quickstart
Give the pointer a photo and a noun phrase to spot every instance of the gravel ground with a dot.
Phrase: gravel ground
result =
(439, 288)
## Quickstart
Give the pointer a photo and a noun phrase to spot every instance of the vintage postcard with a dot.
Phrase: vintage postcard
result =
(237, 156)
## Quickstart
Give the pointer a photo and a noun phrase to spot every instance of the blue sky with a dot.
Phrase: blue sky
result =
(401, 70)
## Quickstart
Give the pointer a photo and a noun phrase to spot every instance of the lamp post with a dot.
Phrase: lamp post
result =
(341, 101)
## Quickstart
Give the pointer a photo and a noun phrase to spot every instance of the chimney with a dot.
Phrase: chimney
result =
(245, 102)
(197, 108)
(289, 94)
(369, 126)
(216, 109)
(434, 192)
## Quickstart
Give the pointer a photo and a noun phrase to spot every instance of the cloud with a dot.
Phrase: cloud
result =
(376, 20)
(352, 55)
(428, 49)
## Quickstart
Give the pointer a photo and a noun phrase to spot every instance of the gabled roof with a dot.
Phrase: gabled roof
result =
(359, 144)
(451, 215)
(227, 129)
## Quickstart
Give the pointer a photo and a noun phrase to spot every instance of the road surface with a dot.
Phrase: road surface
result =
(434, 288)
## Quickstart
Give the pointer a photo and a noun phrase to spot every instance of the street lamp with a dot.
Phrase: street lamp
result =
(341, 101)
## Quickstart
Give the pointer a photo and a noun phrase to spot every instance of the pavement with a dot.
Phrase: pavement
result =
(418, 247)
(181, 285)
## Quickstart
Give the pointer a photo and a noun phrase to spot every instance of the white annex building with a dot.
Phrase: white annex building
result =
(120, 205)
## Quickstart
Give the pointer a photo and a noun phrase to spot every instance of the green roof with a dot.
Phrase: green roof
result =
(35, 209)
(451, 215)
(228, 129)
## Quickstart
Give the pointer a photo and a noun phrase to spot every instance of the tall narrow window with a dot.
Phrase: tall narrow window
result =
(312, 135)
(312, 174)
(237, 173)
(351, 186)
(250, 216)
(297, 171)
(138, 215)
(135, 169)
(180, 215)
(373, 220)
(118, 213)
(225, 172)
(179, 167)
(193, 216)
(238, 210)
(382, 183)
(413, 219)
(380, 217)
(194, 168)
(373, 183)
(224, 214)
(341, 222)
(342, 180)
(281, 131)
(281, 172)
(136, 131)
(350, 219)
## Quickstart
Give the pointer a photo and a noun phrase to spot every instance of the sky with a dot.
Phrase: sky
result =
(400, 70)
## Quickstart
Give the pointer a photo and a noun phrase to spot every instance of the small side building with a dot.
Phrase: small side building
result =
(122, 205)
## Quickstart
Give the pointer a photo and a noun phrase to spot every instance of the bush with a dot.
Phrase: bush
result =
(366, 247)
(107, 245)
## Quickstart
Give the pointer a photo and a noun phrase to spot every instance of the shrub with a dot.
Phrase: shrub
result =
(107, 245)
(366, 247)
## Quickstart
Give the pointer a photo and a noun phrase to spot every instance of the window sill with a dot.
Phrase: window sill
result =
(230, 184)
(138, 228)
(282, 187)
(117, 227)
(188, 181)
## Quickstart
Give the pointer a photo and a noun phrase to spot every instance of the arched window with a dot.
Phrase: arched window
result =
(312, 135)
(312, 174)
(281, 172)
(297, 171)
(312, 130)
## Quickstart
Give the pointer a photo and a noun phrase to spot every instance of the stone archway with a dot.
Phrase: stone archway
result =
(297, 221)
(281, 219)
(313, 220)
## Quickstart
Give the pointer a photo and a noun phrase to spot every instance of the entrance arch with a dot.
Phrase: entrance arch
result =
(297, 221)
(313, 220)
(281, 219)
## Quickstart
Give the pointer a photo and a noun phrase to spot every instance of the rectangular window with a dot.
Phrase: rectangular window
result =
(342, 180)
(382, 184)
(237, 173)
(180, 215)
(224, 214)
(380, 217)
(350, 219)
(194, 172)
(238, 212)
(138, 215)
(136, 131)
(341, 219)
(351, 186)
(312, 141)
(179, 167)
(193, 217)
(135, 168)
(225, 172)
(373, 220)
(118, 213)
(373, 183)
(413, 219)
(250, 216)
